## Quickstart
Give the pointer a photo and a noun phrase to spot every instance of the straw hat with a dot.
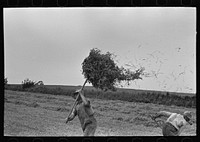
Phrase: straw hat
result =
(76, 93)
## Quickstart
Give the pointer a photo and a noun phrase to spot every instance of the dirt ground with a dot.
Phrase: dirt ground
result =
(35, 114)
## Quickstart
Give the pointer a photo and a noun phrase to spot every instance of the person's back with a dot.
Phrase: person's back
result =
(86, 116)
(175, 123)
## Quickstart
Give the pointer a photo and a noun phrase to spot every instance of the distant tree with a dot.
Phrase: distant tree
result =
(27, 83)
(167, 94)
(5, 81)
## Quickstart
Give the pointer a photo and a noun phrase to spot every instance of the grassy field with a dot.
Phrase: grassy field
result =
(37, 114)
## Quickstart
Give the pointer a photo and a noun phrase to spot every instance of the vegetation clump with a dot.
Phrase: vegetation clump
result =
(27, 83)
(5, 81)
(101, 70)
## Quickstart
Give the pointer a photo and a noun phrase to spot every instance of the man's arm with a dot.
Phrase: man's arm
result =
(72, 115)
(172, 117)
(85, 101)
(162, 113)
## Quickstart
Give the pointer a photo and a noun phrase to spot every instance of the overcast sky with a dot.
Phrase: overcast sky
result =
(49, 44)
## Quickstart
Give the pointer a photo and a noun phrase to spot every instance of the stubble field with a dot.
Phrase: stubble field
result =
(35, 114)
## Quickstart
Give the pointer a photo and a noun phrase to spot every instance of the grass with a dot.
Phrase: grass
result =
(47, 112)
(130, 95)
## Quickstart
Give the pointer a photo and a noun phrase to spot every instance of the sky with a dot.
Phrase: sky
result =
(49, 44)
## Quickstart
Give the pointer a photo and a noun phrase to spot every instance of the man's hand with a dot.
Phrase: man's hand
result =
(66, 120)
(191, 122)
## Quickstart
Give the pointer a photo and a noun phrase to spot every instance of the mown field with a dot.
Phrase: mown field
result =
(40, 114)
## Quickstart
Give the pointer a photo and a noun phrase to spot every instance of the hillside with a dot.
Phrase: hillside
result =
(67, 87)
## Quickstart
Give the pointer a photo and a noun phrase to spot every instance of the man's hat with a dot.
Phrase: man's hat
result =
(188, 116)
(76, 93)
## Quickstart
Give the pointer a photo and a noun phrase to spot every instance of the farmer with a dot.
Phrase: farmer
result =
(175, 123)
(85, 114)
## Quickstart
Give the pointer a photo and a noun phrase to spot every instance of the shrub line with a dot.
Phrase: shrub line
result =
(144, 97)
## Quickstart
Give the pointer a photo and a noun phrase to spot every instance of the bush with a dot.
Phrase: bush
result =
(40, 83)
(27, 83)
(5, 81)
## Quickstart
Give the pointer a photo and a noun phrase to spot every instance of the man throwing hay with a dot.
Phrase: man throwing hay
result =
(175, 123)
(85, 114)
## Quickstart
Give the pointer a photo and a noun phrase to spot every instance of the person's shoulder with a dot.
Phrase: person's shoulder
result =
(83, 104)
(79, 104)
(174, 114)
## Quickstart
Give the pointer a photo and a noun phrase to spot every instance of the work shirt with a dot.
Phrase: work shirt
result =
(85, 114)
(178, 121)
